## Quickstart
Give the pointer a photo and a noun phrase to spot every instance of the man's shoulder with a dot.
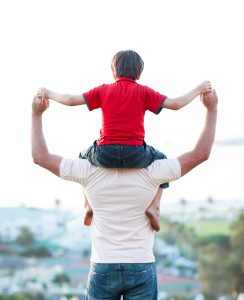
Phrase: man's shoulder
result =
(169, 169)
(75, 169)
(159, 163)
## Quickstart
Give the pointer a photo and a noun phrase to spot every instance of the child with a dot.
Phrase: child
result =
(124, 103)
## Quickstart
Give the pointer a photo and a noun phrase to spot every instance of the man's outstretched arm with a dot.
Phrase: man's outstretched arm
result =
(40, 153)
(203, 147)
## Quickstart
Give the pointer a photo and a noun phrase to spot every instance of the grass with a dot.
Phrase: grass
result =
(213, 227)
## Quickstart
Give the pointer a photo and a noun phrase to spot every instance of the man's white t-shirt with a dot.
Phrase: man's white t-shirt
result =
(121, 231)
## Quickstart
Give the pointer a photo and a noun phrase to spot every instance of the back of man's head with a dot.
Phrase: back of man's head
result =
(128, 64)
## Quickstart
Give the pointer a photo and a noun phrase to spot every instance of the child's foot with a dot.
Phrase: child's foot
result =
(88, 216)
(153, 213)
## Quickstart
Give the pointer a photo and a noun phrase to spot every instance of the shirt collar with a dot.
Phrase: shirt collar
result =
(125, 79)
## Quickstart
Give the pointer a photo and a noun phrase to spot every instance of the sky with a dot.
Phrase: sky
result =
(67, 46)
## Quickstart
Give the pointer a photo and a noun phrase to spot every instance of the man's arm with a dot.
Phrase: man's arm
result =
(203, 147)
(179, 102)
(66, 99)
(40, 153)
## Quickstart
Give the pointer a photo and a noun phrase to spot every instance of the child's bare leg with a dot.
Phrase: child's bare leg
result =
(153, 211)
(88, 212)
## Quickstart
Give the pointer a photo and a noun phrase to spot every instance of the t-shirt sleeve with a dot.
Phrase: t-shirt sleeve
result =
(165, 170)
(153, 100)
(93, 98)
(74, 170)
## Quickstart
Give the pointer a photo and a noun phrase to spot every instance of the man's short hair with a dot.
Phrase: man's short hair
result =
(128, 64)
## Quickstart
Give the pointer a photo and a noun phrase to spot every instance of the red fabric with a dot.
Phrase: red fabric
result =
(123, 105)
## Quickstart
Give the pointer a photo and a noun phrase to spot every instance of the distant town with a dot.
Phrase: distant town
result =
(44, 254)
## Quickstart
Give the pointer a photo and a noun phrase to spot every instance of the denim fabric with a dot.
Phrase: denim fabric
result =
(133, 281)
(122, 156)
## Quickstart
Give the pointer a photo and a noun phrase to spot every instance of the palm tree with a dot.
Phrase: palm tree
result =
(57, 203)
(183, 204)
(210, 200)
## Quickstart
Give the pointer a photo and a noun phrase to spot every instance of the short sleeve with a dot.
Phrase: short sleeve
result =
(153, 100)
(74, 170)
(93, 98)
(165, 170)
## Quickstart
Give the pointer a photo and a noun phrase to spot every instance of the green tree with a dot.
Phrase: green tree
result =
(22, 296)
(40, 251)
(86, 253)
(189, 242)
(210, 200)
(57, 203)
(221, 261)
(166, 231)
(70, 296)
(219, 239)
(61, 278)
(176, 297)
(183, 204)
(213, 266)
(237, 257)
(25, 238)
(178, 234)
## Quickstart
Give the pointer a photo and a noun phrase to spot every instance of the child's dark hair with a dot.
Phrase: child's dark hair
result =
(127, 63)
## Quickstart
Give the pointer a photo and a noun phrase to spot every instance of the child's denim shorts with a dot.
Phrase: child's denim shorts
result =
(122, 156)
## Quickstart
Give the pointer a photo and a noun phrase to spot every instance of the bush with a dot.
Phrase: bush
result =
(36, 252)
(22, 296)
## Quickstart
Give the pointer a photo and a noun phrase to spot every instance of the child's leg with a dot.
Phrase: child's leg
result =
(101, 156)
(120, 156)
(153, 211)
(88, 212)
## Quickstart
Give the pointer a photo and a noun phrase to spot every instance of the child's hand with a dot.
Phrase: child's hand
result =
(42, 93)
(205, 87)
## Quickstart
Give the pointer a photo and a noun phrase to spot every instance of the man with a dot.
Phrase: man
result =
(122, 261)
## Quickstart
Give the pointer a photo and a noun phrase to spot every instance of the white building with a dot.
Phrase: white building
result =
(43, 224)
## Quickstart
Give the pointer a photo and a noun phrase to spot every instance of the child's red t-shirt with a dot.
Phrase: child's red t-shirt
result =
(123, 105)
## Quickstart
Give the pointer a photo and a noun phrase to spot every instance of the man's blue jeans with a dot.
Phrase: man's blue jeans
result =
(122, 156)
(133, 281)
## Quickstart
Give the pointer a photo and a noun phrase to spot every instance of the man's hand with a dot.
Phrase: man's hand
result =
(204, 87)
(40, 153)
(39, 105)
(43, 93)
(209, 100)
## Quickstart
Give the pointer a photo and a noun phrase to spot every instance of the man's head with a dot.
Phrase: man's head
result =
(128, 64)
